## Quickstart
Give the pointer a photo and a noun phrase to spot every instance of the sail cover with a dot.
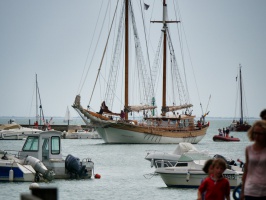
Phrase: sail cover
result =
(140, 107)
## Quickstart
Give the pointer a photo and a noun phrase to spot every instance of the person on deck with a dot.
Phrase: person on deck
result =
(122, 115)
(227, 132)
(224, 132)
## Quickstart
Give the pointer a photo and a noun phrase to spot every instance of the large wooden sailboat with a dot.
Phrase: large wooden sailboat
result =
(242, 124)
(174, 123)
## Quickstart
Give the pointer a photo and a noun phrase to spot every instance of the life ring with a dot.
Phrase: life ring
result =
(237, 192)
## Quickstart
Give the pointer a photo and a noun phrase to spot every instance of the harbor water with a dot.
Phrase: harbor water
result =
(125, 174)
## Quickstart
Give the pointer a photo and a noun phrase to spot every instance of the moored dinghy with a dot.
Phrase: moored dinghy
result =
(219, 138)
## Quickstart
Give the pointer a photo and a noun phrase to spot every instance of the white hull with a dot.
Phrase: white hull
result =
(193, 180)
(114, 135)
(82, 135)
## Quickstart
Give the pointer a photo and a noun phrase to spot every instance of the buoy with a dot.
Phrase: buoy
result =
(188, 176)
(11, 175)
(97, 176)
(34, 185)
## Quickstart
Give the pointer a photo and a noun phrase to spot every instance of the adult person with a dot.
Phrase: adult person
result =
(227, 132)
(216, 186)
(263, 114)
(254, 181)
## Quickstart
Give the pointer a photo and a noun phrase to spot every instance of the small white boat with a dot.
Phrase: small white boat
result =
(76, 132)
(41, 159)
(15, 131)
(188, 173)
(165, 159)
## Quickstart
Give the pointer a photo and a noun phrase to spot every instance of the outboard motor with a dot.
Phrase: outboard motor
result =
(39, 167)
(74, 167)
(228, 162)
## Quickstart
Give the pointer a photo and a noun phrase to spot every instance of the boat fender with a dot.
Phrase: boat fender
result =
(188, 176)
(33, 185)
(97, 176)
(11, 175)
(152, 162)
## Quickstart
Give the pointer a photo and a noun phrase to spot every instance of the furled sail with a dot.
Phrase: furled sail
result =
(140, 107)
(173, 108)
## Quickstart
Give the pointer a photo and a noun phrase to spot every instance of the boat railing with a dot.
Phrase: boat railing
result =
(164, 163)
(10, 152)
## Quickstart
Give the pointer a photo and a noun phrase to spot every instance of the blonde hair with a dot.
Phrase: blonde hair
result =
(260, 123)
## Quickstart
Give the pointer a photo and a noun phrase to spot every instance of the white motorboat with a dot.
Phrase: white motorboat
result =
(187, 172)
(165, 159)
(41, 159)
(77, 132)
(157, 158)
(15, 131)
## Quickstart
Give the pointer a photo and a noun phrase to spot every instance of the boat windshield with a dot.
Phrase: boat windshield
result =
(31, 144)
(186, 157)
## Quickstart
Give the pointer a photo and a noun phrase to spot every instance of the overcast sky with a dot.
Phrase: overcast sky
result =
(52, 39)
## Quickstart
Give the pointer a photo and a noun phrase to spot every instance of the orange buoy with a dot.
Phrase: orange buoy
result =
(98, 176)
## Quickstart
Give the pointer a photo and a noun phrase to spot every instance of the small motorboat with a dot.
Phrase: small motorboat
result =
(77, 132)
(188, 173)
(41, 159)
(220, 138)
(165, 159)
(15, 131)
(160, 159)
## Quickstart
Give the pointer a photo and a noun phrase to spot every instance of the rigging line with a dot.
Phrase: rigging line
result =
(40, 102)
(94, 49)
(182, 50)
(189, 55)
(236, 100)
(208, 104)
(104, 52)
(147, 48)
(79, 87)
(150, 27)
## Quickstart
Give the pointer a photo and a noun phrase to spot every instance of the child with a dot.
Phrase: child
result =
(216, 186)
(207, 168)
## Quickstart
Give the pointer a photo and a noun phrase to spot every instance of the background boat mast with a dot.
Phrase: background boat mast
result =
(126, 58)
(241, 94)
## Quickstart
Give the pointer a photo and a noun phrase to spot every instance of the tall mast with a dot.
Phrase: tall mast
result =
(36, 88)
(126, 58)
(165, 22)
(241, 96)
(164, 59)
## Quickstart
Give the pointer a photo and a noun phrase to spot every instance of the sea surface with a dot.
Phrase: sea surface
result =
(125, 174)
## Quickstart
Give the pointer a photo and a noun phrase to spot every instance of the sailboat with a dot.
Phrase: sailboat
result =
(174, 123)
(67, 116)
(240, 125)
